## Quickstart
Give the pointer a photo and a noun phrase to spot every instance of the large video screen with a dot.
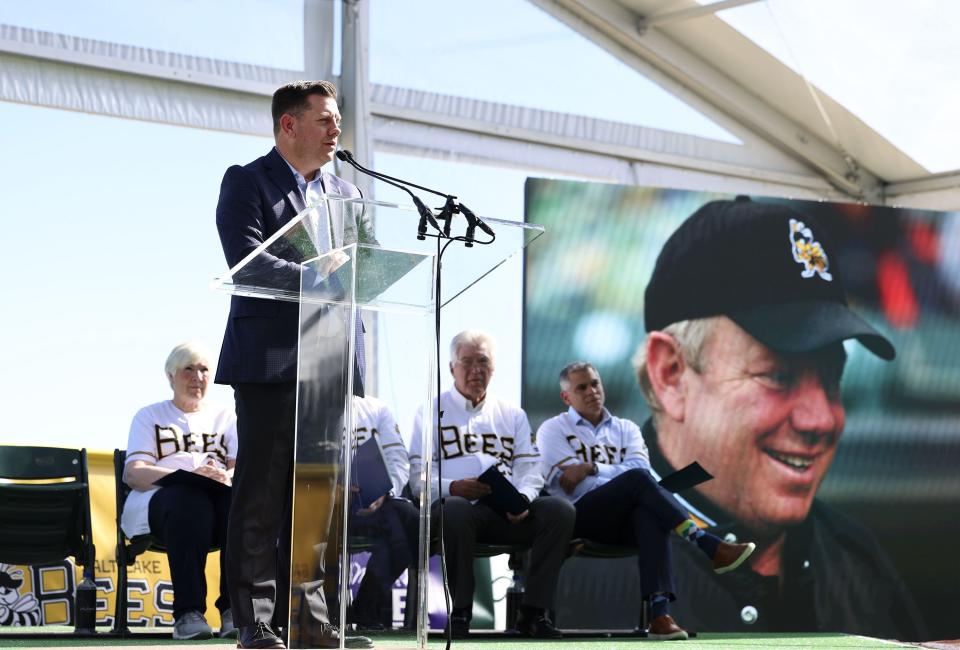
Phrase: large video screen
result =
(876, 553)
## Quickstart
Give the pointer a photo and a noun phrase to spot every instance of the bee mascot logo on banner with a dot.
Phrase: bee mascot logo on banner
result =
(16, 608)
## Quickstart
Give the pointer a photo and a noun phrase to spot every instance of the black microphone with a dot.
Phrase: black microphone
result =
(473, 219)
(426, 215)
(450, 208)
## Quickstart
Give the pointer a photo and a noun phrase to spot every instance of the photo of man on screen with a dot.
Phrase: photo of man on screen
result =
(746, 318)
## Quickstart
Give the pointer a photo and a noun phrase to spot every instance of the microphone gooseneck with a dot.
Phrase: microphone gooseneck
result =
(426, 216)
(450, 208)
(348, 157)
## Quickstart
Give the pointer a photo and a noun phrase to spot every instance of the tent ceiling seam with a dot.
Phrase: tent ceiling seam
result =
(612, 24)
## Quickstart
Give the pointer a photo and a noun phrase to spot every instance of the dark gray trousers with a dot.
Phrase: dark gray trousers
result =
(259, 530)
(547, 529)
(258, 533)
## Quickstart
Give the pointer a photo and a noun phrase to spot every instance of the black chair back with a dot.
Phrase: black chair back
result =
(37, 463)
(45, 506)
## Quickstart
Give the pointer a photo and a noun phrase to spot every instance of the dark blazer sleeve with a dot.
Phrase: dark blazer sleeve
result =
(260, 339)
(245, 219)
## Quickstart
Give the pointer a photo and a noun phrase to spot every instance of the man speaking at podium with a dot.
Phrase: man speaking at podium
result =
(259, 359)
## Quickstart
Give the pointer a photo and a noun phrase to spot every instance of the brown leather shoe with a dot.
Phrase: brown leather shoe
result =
(664, 628)
(729, 556)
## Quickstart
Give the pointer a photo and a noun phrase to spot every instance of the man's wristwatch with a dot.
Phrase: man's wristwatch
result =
(594, 469)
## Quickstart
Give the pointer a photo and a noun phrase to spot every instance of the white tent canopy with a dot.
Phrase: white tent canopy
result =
(794, 140)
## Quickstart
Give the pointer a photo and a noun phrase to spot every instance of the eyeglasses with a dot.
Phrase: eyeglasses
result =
(470, 362)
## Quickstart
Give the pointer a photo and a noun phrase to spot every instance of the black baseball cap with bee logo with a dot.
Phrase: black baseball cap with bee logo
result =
(767, 268)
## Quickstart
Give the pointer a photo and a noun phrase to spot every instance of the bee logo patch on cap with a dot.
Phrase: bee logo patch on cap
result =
(808, 252)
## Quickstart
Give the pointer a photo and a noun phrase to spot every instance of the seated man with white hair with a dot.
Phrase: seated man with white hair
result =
(480, 431)
(184, 433)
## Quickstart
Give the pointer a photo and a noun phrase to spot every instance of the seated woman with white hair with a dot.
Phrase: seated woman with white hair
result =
(184, 433)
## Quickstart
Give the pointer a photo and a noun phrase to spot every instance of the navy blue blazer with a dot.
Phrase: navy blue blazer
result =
(260, 342)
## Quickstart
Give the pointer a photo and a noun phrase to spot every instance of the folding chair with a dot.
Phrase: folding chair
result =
(45, 516)
(128, 550)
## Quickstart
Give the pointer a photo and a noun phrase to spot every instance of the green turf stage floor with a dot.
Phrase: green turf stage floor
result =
(388, 642)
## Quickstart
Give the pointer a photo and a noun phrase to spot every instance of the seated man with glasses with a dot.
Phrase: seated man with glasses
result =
(479, 431)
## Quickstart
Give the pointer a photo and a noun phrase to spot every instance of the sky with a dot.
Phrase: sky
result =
(887, 62)
(109, 238)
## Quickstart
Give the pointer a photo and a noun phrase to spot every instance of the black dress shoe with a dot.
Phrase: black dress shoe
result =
(258, 635)
(328, 636)
(537, 627)
(459, 627)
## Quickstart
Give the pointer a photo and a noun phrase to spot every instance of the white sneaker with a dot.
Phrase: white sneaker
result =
(192, 626)
(227, 629)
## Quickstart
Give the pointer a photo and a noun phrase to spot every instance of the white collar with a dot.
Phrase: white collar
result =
(466, 403)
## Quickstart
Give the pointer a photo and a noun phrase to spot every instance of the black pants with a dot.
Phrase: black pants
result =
(258, 538)
(548, 528)
(395, 528)
(634, 510)
(189, 521)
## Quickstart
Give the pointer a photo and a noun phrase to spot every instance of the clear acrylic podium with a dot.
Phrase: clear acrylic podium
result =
(366, 286)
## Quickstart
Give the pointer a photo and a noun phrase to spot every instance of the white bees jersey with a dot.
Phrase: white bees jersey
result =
(161, 434)
(615, 445)
(372, 417)
(472, 439)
